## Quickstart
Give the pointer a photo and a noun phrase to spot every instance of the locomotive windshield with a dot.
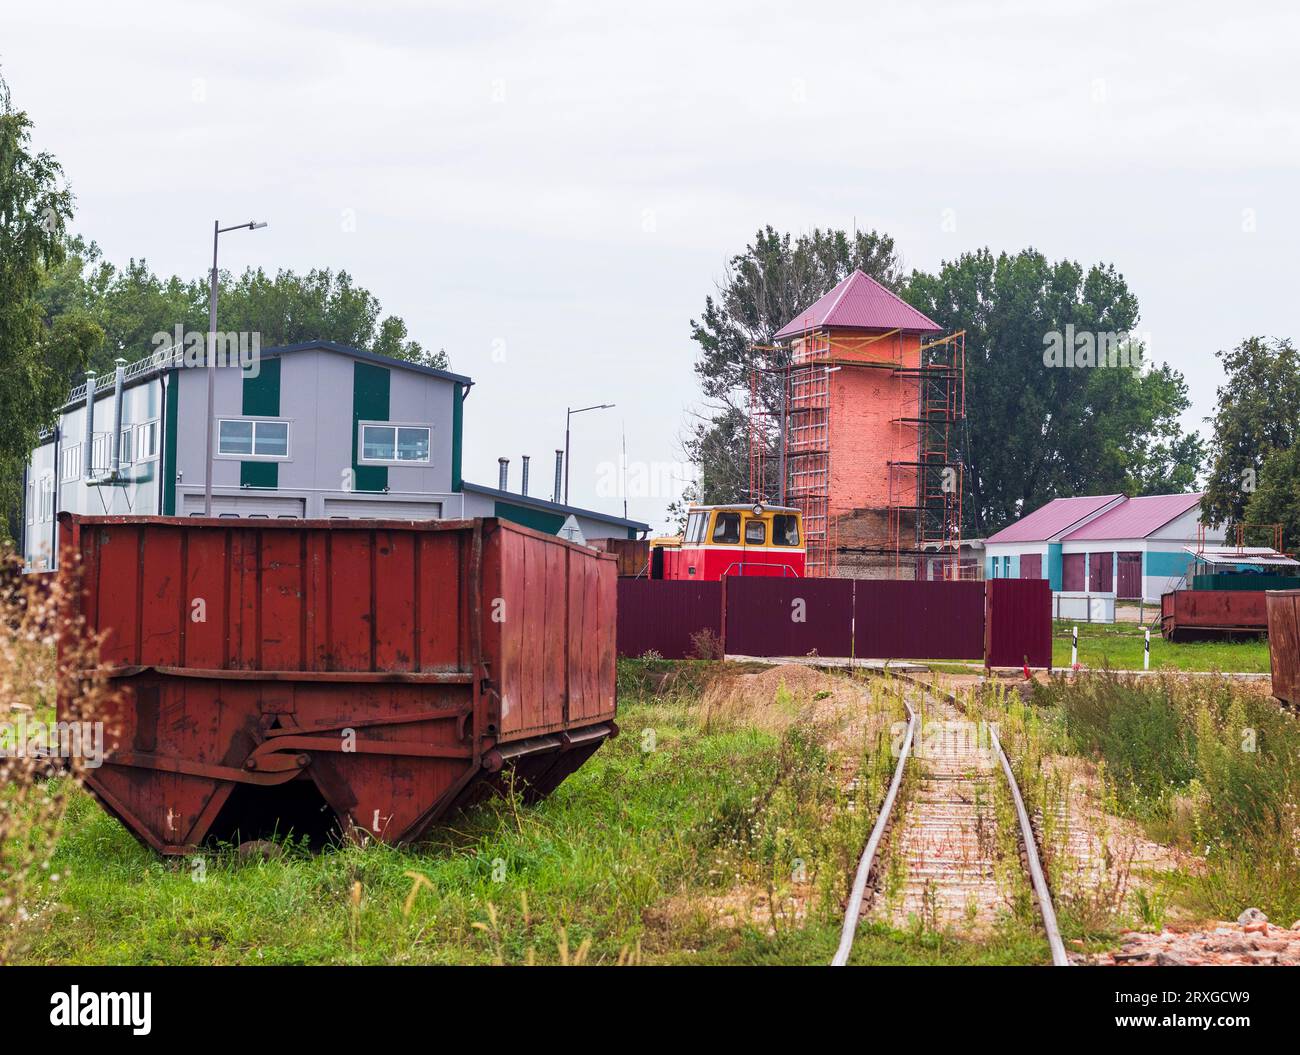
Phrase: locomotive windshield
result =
(785, 530)
(727, 528)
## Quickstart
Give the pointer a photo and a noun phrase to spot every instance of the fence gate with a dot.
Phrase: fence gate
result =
(662, 616)
(1018, 623)
(789, 617)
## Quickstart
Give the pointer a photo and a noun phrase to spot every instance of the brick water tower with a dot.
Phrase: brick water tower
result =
(873, 398)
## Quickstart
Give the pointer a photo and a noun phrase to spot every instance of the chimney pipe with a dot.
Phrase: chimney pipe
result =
(504, 476)
(119, 378)
(89, 446)
(523, 484)
(559, 473)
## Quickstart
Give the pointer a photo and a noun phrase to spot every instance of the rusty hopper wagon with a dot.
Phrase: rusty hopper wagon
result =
(369, 674)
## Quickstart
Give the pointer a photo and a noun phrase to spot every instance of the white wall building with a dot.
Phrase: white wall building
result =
(1097, 549)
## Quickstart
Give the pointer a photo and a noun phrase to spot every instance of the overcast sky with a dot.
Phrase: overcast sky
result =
(549, 191)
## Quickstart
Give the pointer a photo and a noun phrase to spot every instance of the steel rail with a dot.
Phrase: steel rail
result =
(1036, 875)
(1059, 959)
(854, 909)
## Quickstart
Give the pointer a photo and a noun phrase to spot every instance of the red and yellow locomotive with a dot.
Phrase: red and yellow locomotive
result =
(732, 540)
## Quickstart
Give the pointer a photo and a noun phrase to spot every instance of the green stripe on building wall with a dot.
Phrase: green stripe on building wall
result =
(259, 474)
(261, 399)
(457, 434)
(169, 444)
(262, 393)
(370, 388)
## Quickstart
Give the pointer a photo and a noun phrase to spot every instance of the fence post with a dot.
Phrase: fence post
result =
(723, 633)
(853, 623)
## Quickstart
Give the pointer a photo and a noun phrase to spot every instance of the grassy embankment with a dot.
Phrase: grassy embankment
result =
(1208, 768)
(703, 834)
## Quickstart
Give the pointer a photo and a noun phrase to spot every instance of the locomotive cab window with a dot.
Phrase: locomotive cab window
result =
(726, 528)
(755, 532)
(785, 530)
(696, 524)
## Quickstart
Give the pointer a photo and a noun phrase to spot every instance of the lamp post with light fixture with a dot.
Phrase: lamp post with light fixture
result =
(568, 415)
(217, 232)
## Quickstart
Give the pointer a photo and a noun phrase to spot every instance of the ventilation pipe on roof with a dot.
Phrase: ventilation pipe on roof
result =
(523, 483)
(559, 473)
(503, 477)
(119, 378)
(89, 446)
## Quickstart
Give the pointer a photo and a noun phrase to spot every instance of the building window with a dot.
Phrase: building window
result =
(124, 452)
(101, 451)
(146, 441)
(726, 528)
(785, 530)
(47, 499)
(245, 438)
(71, 463)
(31, 500)
(402, 444)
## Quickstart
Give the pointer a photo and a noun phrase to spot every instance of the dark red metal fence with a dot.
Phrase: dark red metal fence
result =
(789, 617)
(1018, 623)
(866, 618)
(662, 615)
(896, 619)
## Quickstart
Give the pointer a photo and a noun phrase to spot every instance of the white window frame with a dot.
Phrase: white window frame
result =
(71, 455)
(47, 498)
(252, 456)
(126, 444)
(149, 427)
(31, 500)
(394, 425)
(101, 446)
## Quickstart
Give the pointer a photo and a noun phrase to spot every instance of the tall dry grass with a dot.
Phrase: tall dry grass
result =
(35, 788)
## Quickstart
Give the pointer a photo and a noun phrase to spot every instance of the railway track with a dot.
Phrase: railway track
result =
(949, 829)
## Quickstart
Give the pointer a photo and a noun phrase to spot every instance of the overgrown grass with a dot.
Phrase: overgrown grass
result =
(1119, 647)
(626, 862)
(1203, 765)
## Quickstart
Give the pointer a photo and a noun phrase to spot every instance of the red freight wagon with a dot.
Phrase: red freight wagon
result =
(387, 670)
(1284, 644)
(1198, 615)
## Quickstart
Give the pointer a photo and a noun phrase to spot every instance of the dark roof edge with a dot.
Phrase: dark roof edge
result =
(553, 507)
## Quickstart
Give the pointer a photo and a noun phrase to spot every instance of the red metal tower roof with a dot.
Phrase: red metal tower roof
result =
(859, 303)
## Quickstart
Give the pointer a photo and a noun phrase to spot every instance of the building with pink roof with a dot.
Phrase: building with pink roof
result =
(1097, 549)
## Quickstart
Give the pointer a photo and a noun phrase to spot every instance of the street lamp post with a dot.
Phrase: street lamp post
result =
(567, 417)
(217, 232)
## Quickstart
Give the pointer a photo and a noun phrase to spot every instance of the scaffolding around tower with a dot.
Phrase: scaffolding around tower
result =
(919, 518)
(860, 407)
(925, 494)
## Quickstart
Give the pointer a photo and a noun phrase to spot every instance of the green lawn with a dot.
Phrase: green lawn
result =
(1119, 646)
